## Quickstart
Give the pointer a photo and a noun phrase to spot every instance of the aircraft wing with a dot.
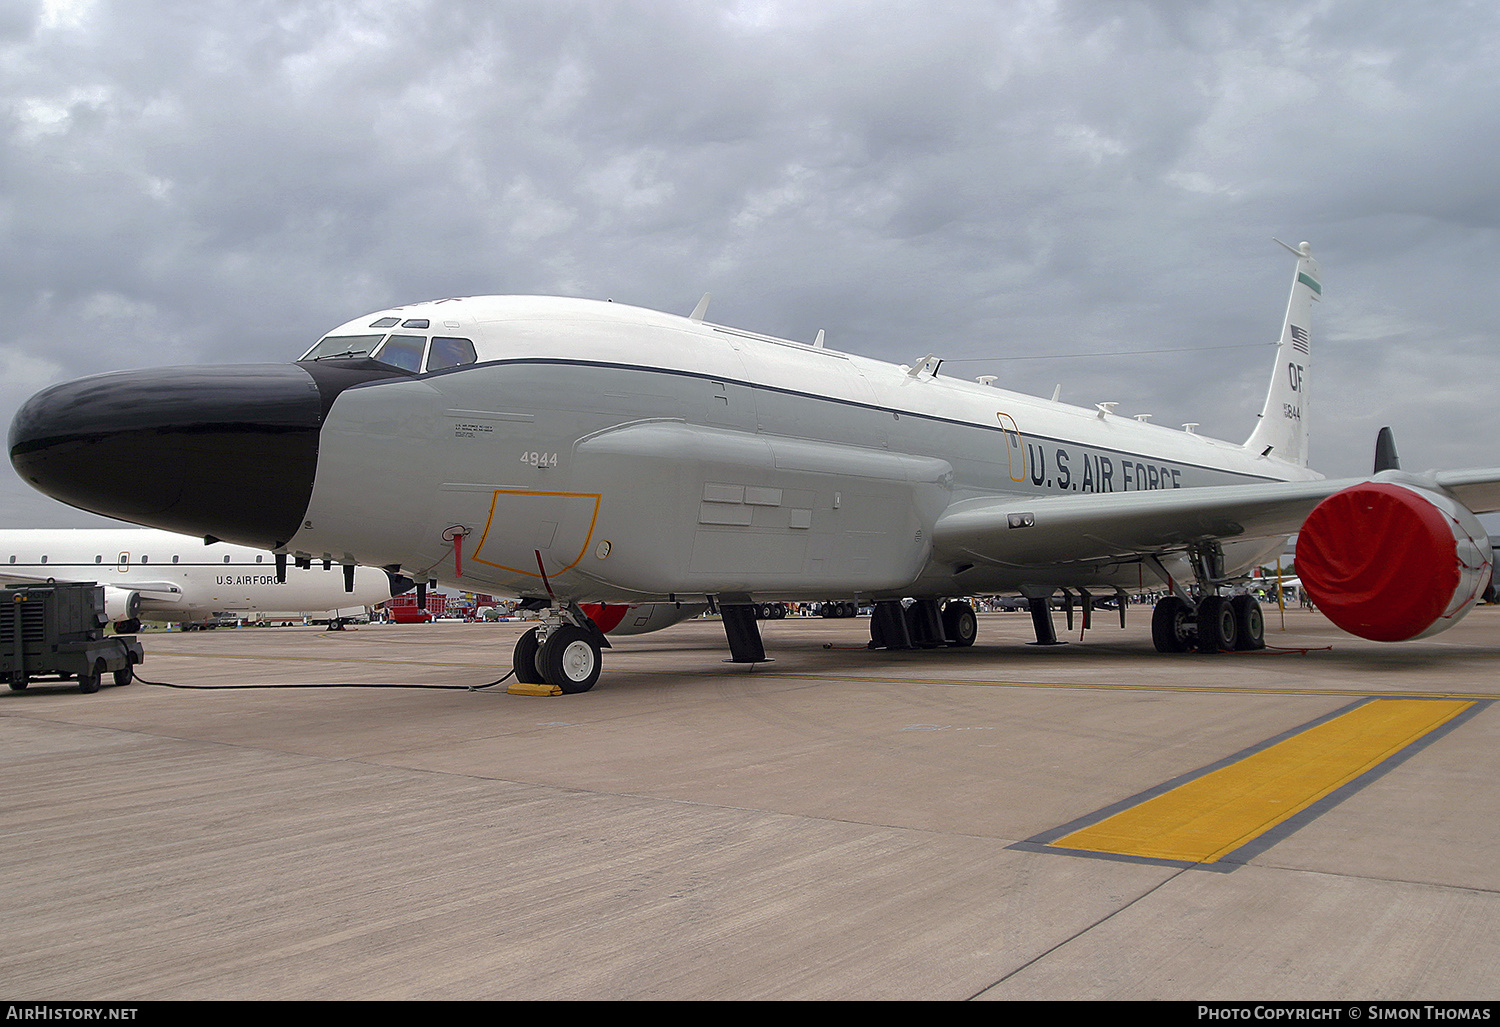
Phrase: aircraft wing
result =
(1476, 488)
(158, 591)
(161, 591)
(1040, 531)
(20, 579)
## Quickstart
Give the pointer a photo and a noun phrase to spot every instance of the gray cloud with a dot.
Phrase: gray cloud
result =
(995, 182)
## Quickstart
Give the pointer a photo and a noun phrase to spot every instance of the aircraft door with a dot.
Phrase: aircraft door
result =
(1015, 446)
(524, 525)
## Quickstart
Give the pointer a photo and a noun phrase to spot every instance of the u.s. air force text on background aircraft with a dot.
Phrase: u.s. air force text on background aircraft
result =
(159, 576)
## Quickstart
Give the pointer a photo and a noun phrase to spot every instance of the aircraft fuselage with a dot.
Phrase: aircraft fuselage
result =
(643, 456)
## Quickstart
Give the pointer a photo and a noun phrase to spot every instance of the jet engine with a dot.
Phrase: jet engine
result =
(1392, 562)
(625, 619)
(121, 604)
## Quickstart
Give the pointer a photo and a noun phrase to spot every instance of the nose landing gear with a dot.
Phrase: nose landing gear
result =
(561, 655)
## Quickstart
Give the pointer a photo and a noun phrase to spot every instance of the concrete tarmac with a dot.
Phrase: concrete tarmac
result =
(838, 824)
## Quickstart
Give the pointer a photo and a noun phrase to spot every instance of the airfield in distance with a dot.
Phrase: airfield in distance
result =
(841, 823)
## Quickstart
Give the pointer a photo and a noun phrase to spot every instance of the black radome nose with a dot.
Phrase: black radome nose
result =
(227, 451)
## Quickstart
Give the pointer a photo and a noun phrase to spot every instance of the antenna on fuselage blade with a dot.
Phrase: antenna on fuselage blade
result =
(701, 309)
(928, 364)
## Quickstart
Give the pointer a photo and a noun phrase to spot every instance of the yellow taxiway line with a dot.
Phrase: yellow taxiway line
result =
(1210, 816)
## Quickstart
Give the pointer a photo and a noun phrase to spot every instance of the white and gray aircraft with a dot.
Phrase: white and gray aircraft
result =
(162, 576)
(585, 456)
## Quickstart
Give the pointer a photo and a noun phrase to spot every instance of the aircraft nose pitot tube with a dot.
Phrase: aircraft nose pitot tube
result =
(227, 451)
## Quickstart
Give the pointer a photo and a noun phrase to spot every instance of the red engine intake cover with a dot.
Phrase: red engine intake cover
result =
(1390, 563)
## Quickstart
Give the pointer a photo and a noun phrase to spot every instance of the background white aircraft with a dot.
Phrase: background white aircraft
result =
(162, 576)
(573, 452)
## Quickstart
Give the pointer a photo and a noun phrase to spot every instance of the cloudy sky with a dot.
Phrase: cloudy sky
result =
(1081, 193)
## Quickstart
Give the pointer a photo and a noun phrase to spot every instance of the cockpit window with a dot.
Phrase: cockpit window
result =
(416, 322)
(385, 322)
(403, 351)
(343, 346)
(449, 353)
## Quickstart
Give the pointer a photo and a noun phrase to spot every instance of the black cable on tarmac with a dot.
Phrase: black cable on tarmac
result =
(341, 684)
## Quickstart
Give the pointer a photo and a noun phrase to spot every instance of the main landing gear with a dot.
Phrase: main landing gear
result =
(1214, 624)
(564, 651)
(922, 625)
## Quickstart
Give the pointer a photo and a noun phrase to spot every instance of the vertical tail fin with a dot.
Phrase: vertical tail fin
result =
(1386, 458)
(1281, 431)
